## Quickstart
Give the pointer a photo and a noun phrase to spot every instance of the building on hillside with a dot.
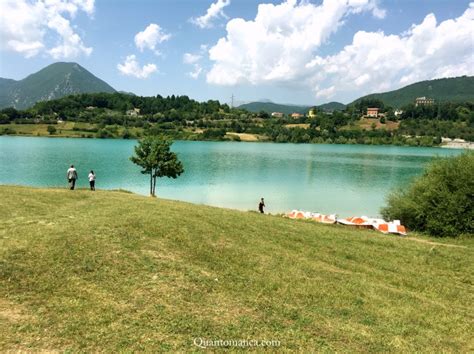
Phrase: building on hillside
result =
(423, 101)
(398, 112)
(297, 115)
(372, 112)
(312, 113)
(277, 114)
(133, 112)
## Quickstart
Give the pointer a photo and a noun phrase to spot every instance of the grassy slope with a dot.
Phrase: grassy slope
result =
(457, 89)
(64, 129)
(109, 270)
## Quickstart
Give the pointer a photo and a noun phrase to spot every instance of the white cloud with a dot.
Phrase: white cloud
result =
(189, 58)
(216, 10)
(196, 72)
(280, 46)
(131, 67)
(327, 92)
(71, 45)
(376, 62)
(24, 25)
(150, 37)
(278, 43)
(194, 59)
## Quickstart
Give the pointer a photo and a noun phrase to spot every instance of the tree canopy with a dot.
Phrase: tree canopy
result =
(441, 201)
(154, 155)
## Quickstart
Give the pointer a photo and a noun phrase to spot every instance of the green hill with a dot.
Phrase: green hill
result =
(85, 271)
(457, 89)
(54, 81)
(270, 107)
(332, 106)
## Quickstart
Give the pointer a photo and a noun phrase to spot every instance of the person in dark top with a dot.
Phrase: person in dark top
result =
(261, 205)
(92, 180)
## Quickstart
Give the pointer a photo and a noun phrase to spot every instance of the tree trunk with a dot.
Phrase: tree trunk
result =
(154, 185)
(151, 183)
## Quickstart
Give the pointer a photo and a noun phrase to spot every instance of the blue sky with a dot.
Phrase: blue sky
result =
(303, 52)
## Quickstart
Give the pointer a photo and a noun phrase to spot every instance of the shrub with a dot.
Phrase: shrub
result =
(441, 201)
(105, 133)
(7, 131)
(51, 129)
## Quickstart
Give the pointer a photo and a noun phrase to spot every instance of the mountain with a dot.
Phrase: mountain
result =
(54, 81)
(270, 107)
(454, 89)
(332, 106)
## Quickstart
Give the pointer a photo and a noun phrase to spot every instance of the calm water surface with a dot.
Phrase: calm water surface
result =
(343, 179)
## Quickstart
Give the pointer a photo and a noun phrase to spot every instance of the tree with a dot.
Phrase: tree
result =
(440, 201)
(154, 156)
(51, 129)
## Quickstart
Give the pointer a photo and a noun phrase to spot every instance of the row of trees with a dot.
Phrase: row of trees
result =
(174, 115)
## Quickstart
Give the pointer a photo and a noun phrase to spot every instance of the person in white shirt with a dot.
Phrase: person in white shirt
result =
(92, 180)
(71, 176)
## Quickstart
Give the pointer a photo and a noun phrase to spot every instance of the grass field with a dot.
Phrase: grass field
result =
(64, 130)
(113, 271)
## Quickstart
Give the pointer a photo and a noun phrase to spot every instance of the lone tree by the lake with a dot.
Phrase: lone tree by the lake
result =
(153, 154)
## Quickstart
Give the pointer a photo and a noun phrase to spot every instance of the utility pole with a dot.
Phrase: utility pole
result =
(232, 101)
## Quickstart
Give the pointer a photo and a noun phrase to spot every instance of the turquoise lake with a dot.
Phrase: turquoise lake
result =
(343, 179)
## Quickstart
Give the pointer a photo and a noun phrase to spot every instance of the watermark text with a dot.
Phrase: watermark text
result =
(236, 343)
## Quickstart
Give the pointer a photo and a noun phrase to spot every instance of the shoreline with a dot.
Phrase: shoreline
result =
(453, 145)
(456, 145)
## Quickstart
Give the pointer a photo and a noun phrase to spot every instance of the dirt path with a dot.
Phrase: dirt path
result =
(433, 243)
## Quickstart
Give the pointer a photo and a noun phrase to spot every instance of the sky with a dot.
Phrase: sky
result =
(294, 51)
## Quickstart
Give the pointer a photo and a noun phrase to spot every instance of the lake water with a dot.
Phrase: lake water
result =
(343, 179)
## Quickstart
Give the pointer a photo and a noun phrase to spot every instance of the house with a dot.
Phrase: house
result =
(372, 112)
(133, 112)
(398, 112)
(312, 113)
(277, 114)
(423, 101)
(297, 115)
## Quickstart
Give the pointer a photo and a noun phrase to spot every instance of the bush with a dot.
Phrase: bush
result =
(441, 201)
(105, 133)
(51, 129)
(7, 131)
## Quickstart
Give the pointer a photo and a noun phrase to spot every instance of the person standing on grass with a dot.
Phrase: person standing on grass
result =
(92, 180)
(71, 176)
(261, 205)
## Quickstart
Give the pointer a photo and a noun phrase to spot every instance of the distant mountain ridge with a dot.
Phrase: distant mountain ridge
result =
(54, 81)
(270, 107)
(456, 89)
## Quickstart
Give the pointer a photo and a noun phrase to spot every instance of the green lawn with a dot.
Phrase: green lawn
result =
(65, 130)
(113, 271)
